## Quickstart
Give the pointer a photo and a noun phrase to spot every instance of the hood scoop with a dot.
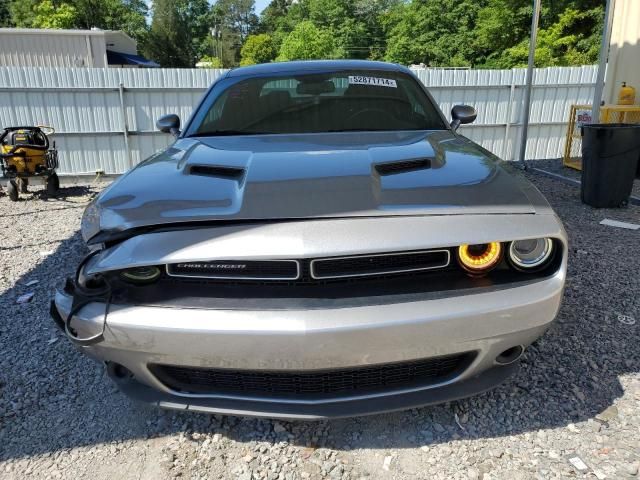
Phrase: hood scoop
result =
(402, 166)
(217, 171)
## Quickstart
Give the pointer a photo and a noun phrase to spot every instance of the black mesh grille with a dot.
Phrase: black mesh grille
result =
(315, 384)
(312, 271)
(379, 264)
(251, 269)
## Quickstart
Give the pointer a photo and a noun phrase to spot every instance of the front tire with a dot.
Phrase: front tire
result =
(23, 185)
(12, 190)
(52, 184)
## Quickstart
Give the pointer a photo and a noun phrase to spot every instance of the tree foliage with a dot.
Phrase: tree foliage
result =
(5, 14)
(47, 15)
(307, 42)
(235, 20)
(126, 15)
(573, 40)
(434, 33)
(445, 33)
(258, 49)
(471, 33)
(570, 32)
(177, 28)
(209, 61)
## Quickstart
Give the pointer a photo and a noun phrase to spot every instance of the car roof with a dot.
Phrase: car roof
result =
(314, 66)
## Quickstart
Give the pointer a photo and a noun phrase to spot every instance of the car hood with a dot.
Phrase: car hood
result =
(323, 175)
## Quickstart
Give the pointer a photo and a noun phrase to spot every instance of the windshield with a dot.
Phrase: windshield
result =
(327, 102)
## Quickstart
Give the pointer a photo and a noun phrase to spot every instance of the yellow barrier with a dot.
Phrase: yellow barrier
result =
(581, 114)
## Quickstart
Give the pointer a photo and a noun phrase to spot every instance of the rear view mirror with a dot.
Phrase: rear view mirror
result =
(169, 124)
(315, 88)
(462, 114)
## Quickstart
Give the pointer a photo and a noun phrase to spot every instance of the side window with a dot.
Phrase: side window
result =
(214, 113)
(415, 102)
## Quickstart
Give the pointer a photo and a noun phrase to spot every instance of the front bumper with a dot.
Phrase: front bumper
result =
(488, 323)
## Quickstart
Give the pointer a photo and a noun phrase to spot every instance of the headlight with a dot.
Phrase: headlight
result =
(479, 258)
(141, 274)
(90, 224)
(530, 254)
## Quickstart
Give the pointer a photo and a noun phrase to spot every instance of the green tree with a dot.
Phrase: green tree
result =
(307, 42)
(238, 16)
(235, 20)
(574, 39)
(434, 33)
(5, 14)
(21, 13)
(339, 17)
(211, 61)
(474, 33)
(354, 24)
(274, 16)
(501, 24)
(569, 34)
(47, 15)
(370, 14)
(177, 30)
(126, 15)
(258, 49)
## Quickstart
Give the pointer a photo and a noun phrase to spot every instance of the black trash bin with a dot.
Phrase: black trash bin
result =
(610, 153)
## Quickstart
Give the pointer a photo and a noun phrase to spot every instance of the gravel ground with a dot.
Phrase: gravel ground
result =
(577, 395)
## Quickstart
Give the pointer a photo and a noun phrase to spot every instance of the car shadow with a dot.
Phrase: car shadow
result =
(64, 195)
(54, 398)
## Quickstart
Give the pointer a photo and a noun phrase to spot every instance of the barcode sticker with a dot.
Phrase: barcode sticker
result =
(373, 81)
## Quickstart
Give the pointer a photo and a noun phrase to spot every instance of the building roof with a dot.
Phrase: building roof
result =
(56, 31)
(315, 66)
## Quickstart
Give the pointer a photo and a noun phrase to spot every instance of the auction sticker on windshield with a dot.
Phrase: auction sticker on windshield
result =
(373, 81)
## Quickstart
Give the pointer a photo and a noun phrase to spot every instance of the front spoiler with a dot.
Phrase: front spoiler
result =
(340, 408)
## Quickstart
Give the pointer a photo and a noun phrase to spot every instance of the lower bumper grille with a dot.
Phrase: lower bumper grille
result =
(315, 384)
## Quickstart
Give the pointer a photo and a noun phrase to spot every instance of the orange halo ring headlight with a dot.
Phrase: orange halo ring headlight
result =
(479, 258)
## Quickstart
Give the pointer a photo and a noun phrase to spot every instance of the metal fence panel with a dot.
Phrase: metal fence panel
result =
(105, 118)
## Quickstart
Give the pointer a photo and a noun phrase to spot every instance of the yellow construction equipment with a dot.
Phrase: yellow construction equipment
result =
(25, 152)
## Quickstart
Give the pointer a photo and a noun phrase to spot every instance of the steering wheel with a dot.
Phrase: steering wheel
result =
(368, 111)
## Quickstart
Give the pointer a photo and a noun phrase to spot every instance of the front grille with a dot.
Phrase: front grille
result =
(382, 264)
(237, 270)
(315, 384)
(310, 271)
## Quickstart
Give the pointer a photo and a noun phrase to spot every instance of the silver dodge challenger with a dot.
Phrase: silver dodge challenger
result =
(319, 241)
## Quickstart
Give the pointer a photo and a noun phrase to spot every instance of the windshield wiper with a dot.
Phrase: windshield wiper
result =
(226, 133)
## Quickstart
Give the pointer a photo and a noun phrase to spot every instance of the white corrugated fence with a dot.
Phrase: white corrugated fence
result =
(104, 118)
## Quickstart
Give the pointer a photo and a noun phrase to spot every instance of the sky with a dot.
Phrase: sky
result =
(261, 5)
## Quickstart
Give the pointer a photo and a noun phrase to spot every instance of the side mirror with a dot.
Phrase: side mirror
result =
(462, 114)
(169, 124)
